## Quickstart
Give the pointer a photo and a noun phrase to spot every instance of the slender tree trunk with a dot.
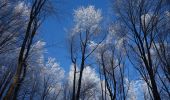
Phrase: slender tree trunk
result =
(154, 87)
(80, 78)
(74, 82)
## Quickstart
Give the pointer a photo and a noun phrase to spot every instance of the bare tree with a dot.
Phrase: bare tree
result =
(81, 35)
(111, 69)
(11, 19)
(33, 24)
(142, 19)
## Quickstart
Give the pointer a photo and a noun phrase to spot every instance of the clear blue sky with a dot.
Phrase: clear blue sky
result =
(53, 30)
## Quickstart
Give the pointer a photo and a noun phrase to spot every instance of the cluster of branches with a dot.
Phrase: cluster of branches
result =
(144, 24)
(19, 23)
(139, 35)
(147, 25)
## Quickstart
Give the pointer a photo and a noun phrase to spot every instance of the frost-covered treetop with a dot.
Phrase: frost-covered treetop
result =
(87, 18)
(21, 6)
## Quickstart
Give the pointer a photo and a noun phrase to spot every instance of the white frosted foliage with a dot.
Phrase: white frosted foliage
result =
(87, 18)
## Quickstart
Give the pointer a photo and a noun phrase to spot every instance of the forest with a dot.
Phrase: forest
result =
(121, 55)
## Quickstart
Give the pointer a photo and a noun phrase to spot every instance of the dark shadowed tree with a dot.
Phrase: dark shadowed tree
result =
(36, 15)
(142, 19)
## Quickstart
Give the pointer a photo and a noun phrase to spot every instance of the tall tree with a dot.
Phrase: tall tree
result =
(35, 17)
(86, 28)
(12, 15)
(142, 19)
(110, 57)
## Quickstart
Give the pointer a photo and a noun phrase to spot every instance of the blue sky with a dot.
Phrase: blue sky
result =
(53, 30)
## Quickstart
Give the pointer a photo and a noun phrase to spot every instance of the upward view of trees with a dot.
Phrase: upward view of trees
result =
(126, 59)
